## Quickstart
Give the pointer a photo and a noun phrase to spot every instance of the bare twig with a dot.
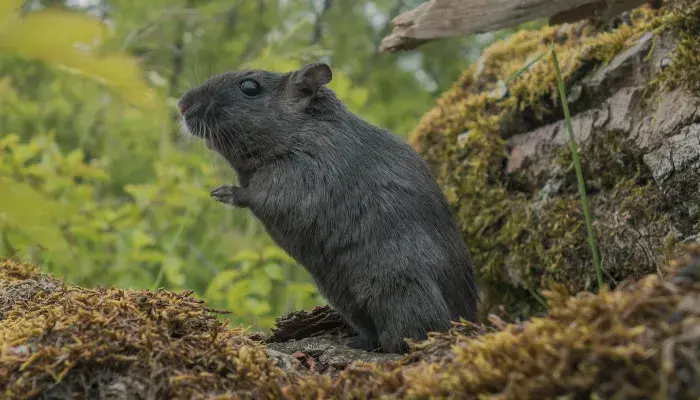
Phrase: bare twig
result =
(378, 39)
(178, 59)
(318, 28)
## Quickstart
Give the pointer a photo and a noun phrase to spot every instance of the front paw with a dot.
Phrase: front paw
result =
(228, 194)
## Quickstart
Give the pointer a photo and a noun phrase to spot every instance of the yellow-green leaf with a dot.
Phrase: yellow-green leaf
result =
(274, 271)
(141, 239)
(260, 285)
(277, 254)
(65, 38)
(217, 286)
(8, 9)
(37, 217)
(172, 268)
(245, 255)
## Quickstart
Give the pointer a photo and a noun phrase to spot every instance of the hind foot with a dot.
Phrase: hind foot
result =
(365, 343)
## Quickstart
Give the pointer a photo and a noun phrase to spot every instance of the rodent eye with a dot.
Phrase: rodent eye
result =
(250, 87)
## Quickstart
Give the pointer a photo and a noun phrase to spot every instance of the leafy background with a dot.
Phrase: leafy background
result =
(99, 186)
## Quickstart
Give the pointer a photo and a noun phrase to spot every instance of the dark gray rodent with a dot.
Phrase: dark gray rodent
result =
(354, 204)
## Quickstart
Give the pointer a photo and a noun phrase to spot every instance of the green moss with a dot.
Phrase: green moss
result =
(521, 243)
(628, 207)
(682, 70)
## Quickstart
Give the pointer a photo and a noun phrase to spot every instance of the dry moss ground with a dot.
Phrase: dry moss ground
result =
(63, 341)
(59, 341)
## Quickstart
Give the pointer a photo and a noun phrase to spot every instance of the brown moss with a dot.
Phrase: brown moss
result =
(521, 242)
(638, 341)
(67, 342)
(16, 271)
(589, 346)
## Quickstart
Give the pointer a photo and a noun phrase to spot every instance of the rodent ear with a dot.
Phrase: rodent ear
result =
(313, 76)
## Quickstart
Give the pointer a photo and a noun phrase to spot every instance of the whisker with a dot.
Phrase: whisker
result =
(206, 112)
(208, 135)
(241, 138)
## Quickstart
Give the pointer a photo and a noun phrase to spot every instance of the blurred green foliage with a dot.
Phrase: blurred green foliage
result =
(97, 184)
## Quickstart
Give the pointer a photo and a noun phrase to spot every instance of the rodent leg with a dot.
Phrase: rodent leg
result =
(231, 195)
(409, 312)
(367, 338)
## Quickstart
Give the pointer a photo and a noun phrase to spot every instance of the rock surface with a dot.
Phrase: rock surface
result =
(647, 126)
(316, 341)
(506, 164)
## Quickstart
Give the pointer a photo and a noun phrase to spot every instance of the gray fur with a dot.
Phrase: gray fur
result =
(354, 204)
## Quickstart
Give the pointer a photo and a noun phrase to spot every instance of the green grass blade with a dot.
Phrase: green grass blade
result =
(579, 173)
(525, 68)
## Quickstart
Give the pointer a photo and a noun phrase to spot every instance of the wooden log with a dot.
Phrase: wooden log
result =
(598, 9)
(445, 18)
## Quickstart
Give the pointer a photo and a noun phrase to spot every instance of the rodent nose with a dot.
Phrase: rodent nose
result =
(181, 106)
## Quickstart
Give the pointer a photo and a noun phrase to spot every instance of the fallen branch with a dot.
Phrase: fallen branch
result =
(448, 18)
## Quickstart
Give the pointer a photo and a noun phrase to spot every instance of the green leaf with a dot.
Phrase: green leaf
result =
(256, 306)
(54, 35)
(172, 268)
(10, 140)
(23, 153)
(245, 255)
(274, 271)
(277, 254)
(261, 285)
(38, 217)
(143, 194)
(236, 294)
(217, 286)
(141, 239)
(74, 159)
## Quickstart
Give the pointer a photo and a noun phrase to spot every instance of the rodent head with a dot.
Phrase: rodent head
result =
(251, 116)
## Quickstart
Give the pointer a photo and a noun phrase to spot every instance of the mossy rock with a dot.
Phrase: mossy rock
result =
(60, 341)
(498, 145)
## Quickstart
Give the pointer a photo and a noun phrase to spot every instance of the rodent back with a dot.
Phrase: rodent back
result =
(385, 216)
